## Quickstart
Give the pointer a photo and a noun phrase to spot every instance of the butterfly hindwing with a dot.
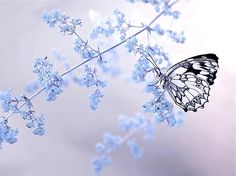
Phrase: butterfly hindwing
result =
(188, 82)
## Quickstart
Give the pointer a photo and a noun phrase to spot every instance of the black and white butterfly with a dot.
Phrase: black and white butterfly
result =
(188, 82)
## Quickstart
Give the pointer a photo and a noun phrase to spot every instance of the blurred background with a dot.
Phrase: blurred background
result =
(203, 146)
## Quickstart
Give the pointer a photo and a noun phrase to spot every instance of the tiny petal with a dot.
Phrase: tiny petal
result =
(135, 150)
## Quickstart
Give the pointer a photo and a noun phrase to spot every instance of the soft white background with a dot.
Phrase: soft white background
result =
(204, 146)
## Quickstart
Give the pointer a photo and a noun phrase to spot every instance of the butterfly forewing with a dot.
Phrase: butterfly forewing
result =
(188, 82)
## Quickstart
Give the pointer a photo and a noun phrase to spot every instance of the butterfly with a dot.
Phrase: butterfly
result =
(188, 82)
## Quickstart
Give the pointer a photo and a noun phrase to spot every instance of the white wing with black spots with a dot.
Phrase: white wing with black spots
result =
(189, 91)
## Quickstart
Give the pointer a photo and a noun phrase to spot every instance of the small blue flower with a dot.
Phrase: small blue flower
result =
(168, 106)
(175, 14)
(39, 131)
(98, 163)
(9, 103)
(179, 122)
(76, 21)
(95, 99)
(166, 8)
(32, 87)
(177, 37)
(109, 63)
(33, 122)
(120, 17)
(112, 141)
(39, 125)
(160, 118)
(51, 18)
(154, 89)
(100, 148)
(141, 69)
(135, 150)
(158, 29)
(138, 120)
(131, 123)
(149, 129)
(10, 136)
(81, 48)
(58, 55)
(131, 44)
(5, 95)
(65, 29)
(7, 134)
(125, 123)
(106, 28)
(89, 78)
(109, 26)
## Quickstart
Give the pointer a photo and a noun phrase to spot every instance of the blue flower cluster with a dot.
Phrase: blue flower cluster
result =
(129, 125)
(34, 86)
(15, 105)
(109, 144)
(89, 79)
(175, 36)
(8, 103)
(36, 123)
(134, 124)
(7, 134)
(66, 24)
(106, 29)
(99, 163)
(95, 99)
(50, 79)
(83, 49)
(141, 69)
(120, 23)
(131, 44)
(160, 106)
(109, 26)
(166, 8)
(160, 5)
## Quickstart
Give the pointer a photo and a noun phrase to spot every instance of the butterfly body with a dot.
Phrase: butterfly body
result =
(188, 82)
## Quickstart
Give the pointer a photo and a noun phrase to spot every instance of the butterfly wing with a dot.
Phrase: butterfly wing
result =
(188, 82)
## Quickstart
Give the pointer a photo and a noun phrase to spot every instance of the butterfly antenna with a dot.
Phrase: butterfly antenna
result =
(153, 69)
(153, 62)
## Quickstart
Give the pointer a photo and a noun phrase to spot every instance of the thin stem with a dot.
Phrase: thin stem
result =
(133, 26)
